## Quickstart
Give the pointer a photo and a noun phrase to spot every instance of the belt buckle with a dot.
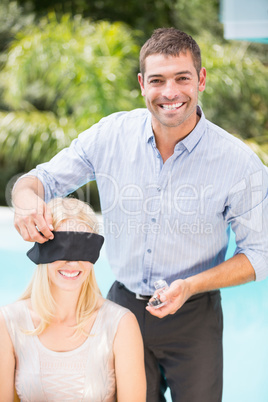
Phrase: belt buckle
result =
(140, 297)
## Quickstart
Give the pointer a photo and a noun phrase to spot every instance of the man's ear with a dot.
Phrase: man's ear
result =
(202, 79)
(140, 79)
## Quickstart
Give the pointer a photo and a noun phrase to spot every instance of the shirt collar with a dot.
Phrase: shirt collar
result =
(188, 142)
(194, 137)
(149, 134)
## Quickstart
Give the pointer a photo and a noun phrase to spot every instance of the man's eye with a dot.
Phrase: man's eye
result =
(156, 81)
(183, 78)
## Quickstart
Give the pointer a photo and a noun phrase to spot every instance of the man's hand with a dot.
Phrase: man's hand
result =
(32, 218)
(175, 296)
(235, 271)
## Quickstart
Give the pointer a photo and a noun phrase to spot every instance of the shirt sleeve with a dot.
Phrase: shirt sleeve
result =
(72, 167)
(247, 213)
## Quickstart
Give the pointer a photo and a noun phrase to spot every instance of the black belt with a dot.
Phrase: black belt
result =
(138, 296)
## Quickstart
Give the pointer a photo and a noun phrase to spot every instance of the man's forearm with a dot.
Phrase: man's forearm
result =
(29, 184)
(235, 271)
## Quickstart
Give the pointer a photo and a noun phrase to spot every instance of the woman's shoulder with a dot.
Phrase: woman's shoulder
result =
(111, 314)
(13, 313)
(111, 307)
(16, 306)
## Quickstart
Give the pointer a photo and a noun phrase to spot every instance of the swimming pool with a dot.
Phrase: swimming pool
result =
(245, 315)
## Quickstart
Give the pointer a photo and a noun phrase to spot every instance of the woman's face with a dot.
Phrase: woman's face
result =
(69, 275)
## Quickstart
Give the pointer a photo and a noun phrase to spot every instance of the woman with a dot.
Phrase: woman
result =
(62, 341)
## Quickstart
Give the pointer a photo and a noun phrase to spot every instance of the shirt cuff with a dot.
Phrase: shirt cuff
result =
(40, 175)
(258, 263)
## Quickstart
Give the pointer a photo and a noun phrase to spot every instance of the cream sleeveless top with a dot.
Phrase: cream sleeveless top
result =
(84, 374)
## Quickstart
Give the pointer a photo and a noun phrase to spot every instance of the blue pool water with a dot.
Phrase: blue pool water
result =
(245, 316)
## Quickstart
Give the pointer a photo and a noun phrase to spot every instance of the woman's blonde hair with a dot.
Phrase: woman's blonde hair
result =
(64, 209)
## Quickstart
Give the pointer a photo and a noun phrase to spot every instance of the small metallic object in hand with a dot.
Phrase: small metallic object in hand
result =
(161, 286)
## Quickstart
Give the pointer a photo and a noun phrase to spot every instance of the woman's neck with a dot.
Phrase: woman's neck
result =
(66, 304)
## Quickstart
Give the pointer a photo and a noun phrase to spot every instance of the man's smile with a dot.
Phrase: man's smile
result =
(171, 106)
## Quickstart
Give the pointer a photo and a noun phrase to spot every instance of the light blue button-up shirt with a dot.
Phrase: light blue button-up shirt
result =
(167, 220)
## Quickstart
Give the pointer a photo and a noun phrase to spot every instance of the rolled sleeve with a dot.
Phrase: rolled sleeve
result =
(258, 262)
(70, 169)
(248, 216)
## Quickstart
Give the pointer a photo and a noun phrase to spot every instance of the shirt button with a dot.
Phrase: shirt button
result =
(145, 280)
(153, 220)
(149, 250)
(158, 188)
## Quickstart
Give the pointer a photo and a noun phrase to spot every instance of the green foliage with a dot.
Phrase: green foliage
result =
(28, 139)
(31, 138)
(261, 151)
(236, 95)
(12, 19)
(197, 17)
(72, 68)
(59, 79)
(140, 15)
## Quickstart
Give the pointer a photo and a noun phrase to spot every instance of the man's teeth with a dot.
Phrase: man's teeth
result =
(68, 274)
(172, 107)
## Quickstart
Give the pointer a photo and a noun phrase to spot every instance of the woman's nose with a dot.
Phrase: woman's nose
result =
(71, 263)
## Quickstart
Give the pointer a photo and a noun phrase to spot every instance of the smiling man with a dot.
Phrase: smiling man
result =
(170, 85)
(172, 185)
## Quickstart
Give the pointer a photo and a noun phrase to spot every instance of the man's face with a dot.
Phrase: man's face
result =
(170, 86)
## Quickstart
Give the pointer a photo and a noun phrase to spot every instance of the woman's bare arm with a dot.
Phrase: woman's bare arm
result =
(7, 364)
(129, 361)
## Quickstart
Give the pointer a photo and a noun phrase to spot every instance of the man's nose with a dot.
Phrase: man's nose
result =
(170, 90)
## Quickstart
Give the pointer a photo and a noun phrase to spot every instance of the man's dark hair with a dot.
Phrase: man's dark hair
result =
(170, 42)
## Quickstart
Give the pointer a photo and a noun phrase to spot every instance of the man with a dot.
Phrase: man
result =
(171, 185)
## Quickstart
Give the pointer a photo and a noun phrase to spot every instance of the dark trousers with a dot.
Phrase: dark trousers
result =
(182, 351)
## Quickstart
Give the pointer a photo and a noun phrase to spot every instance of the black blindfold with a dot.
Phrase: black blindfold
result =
(68, 246)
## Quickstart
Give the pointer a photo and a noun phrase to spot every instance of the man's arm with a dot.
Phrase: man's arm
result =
(65, 172)
(235, 271)
(247, 213)
(32, 215)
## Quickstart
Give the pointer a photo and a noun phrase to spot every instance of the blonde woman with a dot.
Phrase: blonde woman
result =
(62, 341)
